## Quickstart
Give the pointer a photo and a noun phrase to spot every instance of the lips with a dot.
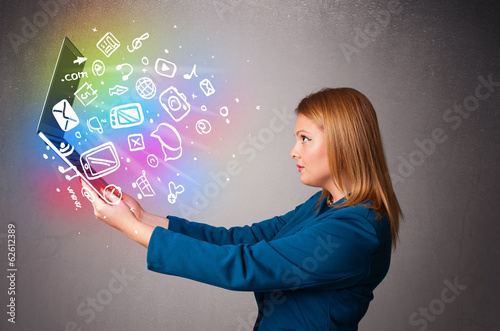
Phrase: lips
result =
(300, 167)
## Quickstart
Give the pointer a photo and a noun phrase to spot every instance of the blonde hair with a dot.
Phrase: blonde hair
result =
(356, 155)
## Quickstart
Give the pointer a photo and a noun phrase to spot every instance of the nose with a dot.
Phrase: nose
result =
(294, 153)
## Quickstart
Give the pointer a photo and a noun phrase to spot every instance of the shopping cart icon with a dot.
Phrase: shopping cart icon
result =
(143, 184)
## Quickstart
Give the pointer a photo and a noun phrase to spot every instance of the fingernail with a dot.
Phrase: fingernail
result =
(80, 178)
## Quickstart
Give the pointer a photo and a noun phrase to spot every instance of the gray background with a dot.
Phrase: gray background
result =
(427, 59)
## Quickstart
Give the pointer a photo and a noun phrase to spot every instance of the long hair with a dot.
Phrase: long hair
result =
(354, 146)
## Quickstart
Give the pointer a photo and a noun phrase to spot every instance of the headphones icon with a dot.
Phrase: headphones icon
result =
(125, 76)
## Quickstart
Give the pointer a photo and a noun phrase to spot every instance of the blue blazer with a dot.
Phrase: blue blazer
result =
(314, 268)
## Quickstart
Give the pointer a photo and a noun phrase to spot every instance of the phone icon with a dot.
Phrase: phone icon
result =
(100, 161)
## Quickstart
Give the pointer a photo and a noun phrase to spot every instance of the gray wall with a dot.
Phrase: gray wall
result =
(421, 64)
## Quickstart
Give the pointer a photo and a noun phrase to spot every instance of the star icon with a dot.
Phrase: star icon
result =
(258, 107)
(144, 70)
(193, 96)
(94, 29)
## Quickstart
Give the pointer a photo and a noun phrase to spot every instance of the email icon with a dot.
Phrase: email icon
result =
(207, 87)
(65, 115)
(126, 116)
(136, 142)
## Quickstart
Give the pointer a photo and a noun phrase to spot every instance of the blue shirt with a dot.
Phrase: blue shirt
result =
(311, 269)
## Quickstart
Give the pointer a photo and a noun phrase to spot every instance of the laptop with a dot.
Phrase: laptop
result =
(58, 118)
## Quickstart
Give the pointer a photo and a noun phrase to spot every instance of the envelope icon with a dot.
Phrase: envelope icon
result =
(65, 115)
(207, 87)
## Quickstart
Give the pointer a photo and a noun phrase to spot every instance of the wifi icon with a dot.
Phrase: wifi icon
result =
(66, 149)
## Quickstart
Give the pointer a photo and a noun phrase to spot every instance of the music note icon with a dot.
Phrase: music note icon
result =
(193, 72)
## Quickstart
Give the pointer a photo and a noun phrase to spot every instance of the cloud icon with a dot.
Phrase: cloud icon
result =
(171, 143)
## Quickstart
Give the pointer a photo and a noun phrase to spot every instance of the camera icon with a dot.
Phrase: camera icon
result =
(174, 103)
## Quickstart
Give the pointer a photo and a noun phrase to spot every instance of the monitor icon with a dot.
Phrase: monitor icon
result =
(100, 161)
(126, 116)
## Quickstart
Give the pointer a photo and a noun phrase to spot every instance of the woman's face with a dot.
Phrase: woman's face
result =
(310, 153)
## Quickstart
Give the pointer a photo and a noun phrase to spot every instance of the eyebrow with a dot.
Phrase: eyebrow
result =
(299, 131)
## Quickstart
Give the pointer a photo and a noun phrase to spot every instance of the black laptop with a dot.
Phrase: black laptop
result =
(58, 118)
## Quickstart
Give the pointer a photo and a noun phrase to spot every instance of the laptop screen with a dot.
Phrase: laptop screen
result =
(58, 118)
(63, 86)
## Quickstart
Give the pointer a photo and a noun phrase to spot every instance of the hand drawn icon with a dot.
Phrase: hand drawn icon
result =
(98, 68)
(108, 44)
(126, 116)
(86, 94)
(152, 161)
(174, 190)
(207, 87)
(165, 68)
(224, 112)
(137, 42)
(171, 143)
(87, 193)
(66, 149)
(143, 184)
(79, 60)
(100, 161)
(145, 87)
(174, 103)
(63, 171)
(118, 90)
(203, 127)
(130, 70)
(94, 124)
(112, 194)
(136, 142)
(193, 72)
(65, 115)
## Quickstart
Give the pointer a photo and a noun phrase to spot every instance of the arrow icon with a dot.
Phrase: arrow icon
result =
(80, 60)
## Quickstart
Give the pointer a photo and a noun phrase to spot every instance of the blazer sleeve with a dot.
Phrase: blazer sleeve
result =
(265, 230)
(331, 253)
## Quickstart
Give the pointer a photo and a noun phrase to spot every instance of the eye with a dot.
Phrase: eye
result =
(304, 138)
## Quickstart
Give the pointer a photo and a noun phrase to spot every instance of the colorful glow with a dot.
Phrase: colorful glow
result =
(136, 83)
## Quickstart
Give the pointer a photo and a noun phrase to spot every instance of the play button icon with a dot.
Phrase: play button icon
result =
(165, 68)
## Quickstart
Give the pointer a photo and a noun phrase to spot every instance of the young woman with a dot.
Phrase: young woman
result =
(315, 267)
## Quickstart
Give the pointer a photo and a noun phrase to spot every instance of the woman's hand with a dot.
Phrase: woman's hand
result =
(121, 215)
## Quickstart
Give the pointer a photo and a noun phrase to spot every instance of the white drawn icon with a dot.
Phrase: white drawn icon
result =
(98, 68)
(66, 149)
(174, 103)
(100, 161)
(86, 94)
(112, 194)
(79, 60)
(94, 124)
(118, 90)
(137, 42)
(65, 115)
(87, 193)
(165, 68)
(224, 112)
(207, 87)
(171, 143)
(145, 87)
(126, 116)
(136, 142)
(128, 67)
(203, 127)
(193, 72)
(108, 44)
(174, 190)
(152, 161)
(143, 184)
(63, 171)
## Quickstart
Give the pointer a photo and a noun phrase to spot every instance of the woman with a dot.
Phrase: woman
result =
(314, 268)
